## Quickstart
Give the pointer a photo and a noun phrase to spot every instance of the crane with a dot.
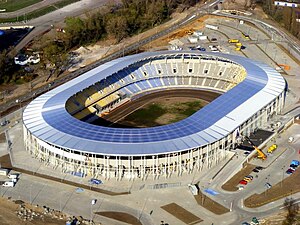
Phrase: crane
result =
(261, 155)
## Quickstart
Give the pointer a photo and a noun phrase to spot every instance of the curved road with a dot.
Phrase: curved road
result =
(43, 23)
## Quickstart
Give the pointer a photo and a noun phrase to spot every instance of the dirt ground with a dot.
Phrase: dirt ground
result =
(232, 184)
(181, 214)
(210, 204)
(2, 137)
(120, 216)
(164, 41)
(8, 215)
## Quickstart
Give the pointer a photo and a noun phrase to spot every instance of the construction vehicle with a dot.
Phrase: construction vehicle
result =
(272, 148)
(260, 155)
(284, 66)
(233, 41)
(246, 36)
(190, 31)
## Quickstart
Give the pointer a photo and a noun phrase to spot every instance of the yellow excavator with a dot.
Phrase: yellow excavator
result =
(260, 154)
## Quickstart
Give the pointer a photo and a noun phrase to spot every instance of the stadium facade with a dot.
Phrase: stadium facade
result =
(57, 129)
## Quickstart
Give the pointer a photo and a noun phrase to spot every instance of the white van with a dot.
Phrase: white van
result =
(13, 176)
(8, 184)
(291, 139)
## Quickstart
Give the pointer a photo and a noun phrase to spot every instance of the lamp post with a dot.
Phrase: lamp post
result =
(30, 194)
(93, 202)
(282, 168)
(18, 101)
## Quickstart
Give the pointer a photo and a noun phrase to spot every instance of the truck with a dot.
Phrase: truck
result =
(233, 41)
(213, 27)
(13, 176)
(3, 172)
(8, 184)
(272, 148)
(202, 38)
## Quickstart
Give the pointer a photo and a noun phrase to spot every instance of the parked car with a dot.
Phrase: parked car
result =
(290, 171)
(241, 187)
(243, 182)
(4, 123)
(202, 49)
(268, 185)
(255, 170)
(294, 164)
(214, 39)
(259, 168)
(247, 179)
(249, 176)
(95, 181)
(245, 223)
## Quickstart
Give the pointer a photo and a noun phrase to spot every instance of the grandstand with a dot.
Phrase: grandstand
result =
(57, 125)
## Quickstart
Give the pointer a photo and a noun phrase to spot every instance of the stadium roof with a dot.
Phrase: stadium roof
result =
(47, 119)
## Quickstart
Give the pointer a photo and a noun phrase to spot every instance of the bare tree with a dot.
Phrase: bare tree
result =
(292, 210)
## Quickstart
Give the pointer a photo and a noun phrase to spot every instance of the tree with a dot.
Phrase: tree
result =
(292, 209)
(7, 67)
(117, 27)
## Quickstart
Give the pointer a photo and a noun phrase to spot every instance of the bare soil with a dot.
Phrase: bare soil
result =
(181, 213)
(8, 215)
(164, 41)
(210, 204)
(2, 137)
(232, 184)
(120, 216)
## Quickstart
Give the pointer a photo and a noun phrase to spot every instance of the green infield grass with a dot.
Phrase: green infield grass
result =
(14, 5)
(162, 112)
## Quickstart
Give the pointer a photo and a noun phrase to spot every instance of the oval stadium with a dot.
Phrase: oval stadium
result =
(59, 129)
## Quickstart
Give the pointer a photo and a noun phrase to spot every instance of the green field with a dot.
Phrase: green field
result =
(158, 113)
(39, 12)
(14, 5)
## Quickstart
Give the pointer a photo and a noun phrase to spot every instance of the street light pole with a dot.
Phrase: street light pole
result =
(282, 174)
(93, 202)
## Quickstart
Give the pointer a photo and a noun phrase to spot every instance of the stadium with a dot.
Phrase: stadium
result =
(58, 127)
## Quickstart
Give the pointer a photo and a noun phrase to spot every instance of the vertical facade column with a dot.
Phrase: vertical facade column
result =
(117, 168)
(180, 164)
(153, 163)
(166, 163)
(107, 167)
(145, 172)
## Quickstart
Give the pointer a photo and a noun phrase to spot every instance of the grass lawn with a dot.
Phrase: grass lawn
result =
(158, 113)
(63, 3)
(37, 13)
(29, 16)
(14, 5)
